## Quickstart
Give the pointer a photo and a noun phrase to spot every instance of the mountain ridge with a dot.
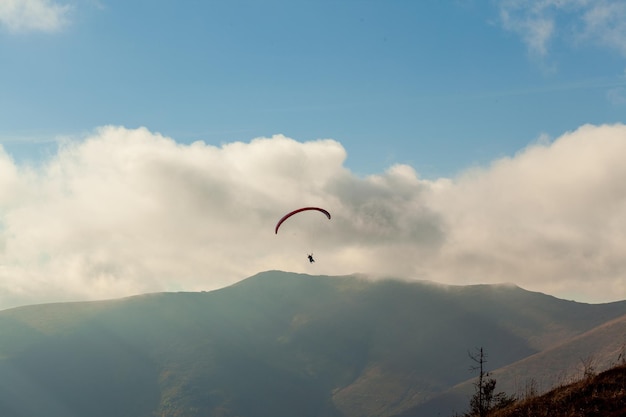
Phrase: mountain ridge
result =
(323, 345)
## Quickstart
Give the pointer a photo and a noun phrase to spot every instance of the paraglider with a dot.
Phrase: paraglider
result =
(291, 213)
(288, 215)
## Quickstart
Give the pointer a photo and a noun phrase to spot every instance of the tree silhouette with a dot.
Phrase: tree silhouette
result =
(485, 398)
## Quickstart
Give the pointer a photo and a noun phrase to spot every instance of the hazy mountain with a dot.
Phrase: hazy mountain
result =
(277, 344)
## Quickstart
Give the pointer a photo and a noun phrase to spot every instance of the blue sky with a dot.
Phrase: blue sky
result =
(152, 145)
(440, 85)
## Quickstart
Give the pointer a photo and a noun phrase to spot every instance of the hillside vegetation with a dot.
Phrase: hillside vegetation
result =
(278, 344)
(602, 395)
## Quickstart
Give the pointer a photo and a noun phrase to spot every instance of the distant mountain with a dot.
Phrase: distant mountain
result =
(281, 344)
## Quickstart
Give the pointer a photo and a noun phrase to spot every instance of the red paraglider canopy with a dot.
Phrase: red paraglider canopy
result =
(288, 215)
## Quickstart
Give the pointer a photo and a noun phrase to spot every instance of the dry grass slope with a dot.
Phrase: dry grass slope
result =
(602, 395)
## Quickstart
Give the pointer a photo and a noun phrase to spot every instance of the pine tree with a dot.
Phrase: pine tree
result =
(485, 398)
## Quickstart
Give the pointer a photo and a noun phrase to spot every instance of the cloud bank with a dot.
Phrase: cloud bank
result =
(128, 211)
(33, 15)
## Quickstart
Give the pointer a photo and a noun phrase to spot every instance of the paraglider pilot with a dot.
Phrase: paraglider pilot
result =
(311, 260)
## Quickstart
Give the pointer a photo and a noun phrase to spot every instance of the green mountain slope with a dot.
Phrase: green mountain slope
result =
(276, 344)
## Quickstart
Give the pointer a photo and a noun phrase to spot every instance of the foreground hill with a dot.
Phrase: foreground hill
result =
(276, 344)
(602, 395)
(570, 360)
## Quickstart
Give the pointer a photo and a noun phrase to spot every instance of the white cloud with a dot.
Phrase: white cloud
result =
(538, 23)
(605, 23)
(130, 211)
(33, 15)
(536, 31)
(552, 218)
